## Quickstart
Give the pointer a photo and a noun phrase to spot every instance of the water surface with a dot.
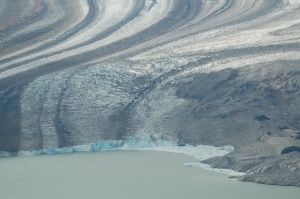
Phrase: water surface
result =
(123, 174)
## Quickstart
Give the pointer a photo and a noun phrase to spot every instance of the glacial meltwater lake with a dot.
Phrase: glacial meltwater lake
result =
(123, 174)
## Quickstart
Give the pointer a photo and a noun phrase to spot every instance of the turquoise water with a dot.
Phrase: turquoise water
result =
(123, 174)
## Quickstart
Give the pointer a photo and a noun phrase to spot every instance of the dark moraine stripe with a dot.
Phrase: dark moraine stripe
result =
(23, 38)
(181, 13)
(227, 6)
(290, 150)
(260, 13)
(10, 110)
(138, 8)
(93, 12)
(152, 4)
(10, 117)
(263, 11)
(257, 13)
(63, 132)
(25, 21)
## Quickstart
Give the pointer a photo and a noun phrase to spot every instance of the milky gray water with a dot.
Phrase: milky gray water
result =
(123, 174)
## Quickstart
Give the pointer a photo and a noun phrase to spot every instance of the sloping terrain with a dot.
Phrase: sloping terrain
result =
(223, 72)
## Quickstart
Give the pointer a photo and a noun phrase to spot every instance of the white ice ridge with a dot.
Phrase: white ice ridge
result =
(142, 142)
